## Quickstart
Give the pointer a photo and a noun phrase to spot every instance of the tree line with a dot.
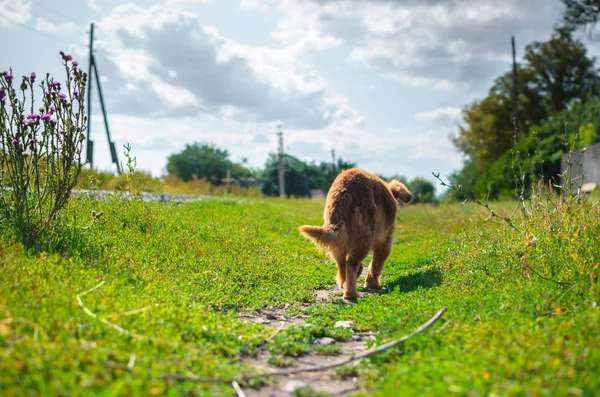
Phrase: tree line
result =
(207, 161)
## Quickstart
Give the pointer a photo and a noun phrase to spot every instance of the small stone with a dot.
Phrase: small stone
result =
(324, 341)
(260, 320)
(343, 324)
(293, 385)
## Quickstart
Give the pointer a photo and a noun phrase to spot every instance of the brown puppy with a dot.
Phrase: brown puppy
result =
(359, 216)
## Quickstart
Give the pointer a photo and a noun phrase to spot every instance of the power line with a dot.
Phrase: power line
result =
(31, 29)
(57, 13)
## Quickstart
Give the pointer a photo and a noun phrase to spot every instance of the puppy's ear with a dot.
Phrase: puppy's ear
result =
(399, 191)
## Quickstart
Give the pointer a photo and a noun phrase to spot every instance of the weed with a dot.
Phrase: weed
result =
(40, 149)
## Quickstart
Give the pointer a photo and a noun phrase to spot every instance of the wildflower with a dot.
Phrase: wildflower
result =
(32, 77)
(8, 77)
(46, 93)
(52, 108)
(75, 93)
(2, 92)
(24, 84)
(15, 142)
(46, 116)
(66, 57)
(94, 213)
(55, 84)
(32, 116)
(63, 97)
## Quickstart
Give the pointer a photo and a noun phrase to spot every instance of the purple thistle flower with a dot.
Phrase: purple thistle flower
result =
(47, 93)
(32, 77)
(75, 93)
(52, 108)
(32, 143)
(8, 77)
(2, 92)
(63, 97)
(32, 116)
(46, 116)
(15, 142)
(66, 57)
(3, 99)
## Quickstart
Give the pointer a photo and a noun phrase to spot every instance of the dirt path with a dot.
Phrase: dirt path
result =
(326, 381)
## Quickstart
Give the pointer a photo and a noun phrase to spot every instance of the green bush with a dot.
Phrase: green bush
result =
(536, 157)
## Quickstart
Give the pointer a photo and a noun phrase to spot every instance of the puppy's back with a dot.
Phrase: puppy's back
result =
(356, 191)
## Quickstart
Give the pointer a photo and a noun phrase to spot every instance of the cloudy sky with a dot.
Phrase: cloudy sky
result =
(382, 81)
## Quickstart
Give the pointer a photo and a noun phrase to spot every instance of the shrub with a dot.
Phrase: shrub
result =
(40, 149)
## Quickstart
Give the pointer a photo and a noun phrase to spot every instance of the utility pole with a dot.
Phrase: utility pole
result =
(90, 143)
(333, 161)
(515, 92)
(281, 170)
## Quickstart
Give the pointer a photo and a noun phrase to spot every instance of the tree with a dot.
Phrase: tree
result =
(300, 177)
(422, 191)
(561, 71)
(296, 181)
(204, 161)
(554, 75)
(582, 13)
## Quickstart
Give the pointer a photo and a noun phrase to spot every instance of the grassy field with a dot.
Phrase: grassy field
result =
(109, 305)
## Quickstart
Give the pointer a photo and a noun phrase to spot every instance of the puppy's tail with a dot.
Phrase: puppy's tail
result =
(400, 191)
(325, 236)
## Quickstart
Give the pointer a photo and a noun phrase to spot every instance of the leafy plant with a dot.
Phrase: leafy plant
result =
(40, 149)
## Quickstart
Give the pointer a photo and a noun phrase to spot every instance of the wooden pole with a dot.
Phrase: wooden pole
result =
(515, 92)
(113, 150)
(90, 145)
(281, 170)
(333, 167)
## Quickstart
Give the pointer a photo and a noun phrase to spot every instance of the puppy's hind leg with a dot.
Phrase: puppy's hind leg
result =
(380, 254)
(353, 264)
(340, 260)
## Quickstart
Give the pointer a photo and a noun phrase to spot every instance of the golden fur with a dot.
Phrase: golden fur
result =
(359, 217)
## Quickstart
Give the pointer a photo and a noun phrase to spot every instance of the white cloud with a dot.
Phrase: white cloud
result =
(443, 115)
(14, 11)
(261, 5)
(67, 29)
(93, 4)
(446, 45)
(180, 67)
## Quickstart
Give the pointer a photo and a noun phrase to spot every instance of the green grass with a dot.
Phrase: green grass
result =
(176, 277)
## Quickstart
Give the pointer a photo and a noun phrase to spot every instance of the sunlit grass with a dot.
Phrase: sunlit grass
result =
(176, 277)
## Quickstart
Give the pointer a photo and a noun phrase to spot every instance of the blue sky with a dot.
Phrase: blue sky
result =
(382, 81)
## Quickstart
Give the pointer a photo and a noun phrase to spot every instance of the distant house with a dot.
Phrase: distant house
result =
(316, 193)
(590, 170)
(245, 182)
